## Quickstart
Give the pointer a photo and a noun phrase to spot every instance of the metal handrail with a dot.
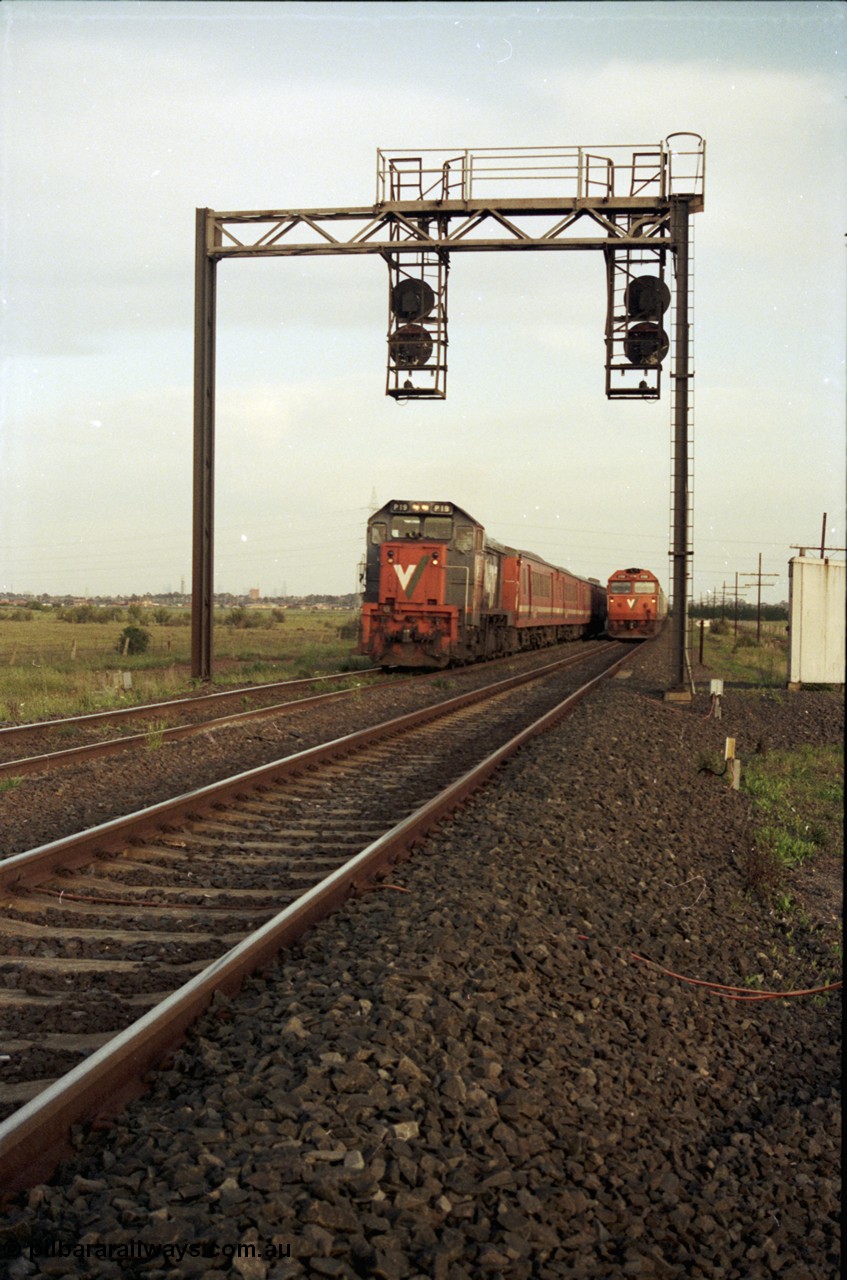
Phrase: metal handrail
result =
(675, 166)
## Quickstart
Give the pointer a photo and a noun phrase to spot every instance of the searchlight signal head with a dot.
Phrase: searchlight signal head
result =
(647, 298)
(417, 326)
(646, 344)
(410, 346)
(412, 299)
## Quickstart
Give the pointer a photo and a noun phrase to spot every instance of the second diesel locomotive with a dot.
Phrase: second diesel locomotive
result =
(438, 591)
(636, 607)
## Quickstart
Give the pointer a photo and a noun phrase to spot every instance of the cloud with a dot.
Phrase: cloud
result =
(118, 120)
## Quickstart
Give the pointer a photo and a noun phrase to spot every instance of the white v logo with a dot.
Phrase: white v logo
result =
(404, 575)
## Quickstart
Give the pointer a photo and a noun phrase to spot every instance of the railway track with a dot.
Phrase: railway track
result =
(197, 715)
(41, 746)
(202, 701)
(116, 938)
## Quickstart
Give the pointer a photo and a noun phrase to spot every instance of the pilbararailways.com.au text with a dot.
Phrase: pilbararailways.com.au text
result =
(140, 1250)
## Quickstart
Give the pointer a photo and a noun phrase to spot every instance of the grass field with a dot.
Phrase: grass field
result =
(735, 655)
(52, 667)
(798, 796)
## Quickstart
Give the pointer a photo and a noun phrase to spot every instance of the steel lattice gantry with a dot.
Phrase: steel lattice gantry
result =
(630, 202)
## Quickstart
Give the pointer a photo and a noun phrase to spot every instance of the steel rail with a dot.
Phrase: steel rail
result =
(174, 733)
(154, 708)
(46, 760)
(36, 1137)
(109, 837)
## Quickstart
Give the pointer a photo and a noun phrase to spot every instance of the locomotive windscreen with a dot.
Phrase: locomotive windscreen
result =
(440, 527)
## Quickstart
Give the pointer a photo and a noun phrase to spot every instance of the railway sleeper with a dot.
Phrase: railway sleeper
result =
(103, 889)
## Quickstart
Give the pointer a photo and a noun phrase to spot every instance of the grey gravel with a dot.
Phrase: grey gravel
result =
(476, 1077)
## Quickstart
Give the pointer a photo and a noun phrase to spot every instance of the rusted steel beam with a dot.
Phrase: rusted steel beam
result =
(513, 207)
(202, 589)
(681, 552)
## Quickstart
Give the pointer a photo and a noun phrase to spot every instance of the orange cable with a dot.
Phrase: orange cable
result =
(722, 989)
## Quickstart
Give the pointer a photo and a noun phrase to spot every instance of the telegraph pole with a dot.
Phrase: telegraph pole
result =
(759, 576)
(825, 550)
(737, 590)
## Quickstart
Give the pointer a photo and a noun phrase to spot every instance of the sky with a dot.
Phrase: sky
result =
(118, 119)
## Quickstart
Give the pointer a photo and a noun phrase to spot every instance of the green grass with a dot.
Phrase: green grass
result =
(738, 657)
(798, 795)
(51, 668)
(156, 735)
(799, 801)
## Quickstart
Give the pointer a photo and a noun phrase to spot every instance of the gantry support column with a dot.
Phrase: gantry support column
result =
(202, 585)
(681, 498)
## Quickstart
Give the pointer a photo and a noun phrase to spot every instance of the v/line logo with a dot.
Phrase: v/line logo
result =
(410, 575)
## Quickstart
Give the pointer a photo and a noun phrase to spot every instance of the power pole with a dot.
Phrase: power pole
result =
(735, 606)
(759, 576)
(824, 548)
(735, 611)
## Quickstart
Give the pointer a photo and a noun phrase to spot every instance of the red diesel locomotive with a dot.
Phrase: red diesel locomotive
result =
(637, 607)
(438, 591)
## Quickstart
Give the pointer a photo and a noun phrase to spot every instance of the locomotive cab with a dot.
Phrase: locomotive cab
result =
(438, 591)
(423, 578)
(637, 606)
